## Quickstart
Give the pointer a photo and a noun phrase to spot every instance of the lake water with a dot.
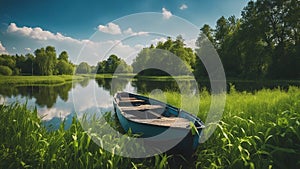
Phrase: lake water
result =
(55, 103)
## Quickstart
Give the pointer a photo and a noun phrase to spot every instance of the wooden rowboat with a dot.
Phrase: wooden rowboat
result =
(149, 118)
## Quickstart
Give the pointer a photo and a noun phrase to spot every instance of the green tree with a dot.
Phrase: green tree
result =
(5, 70)
(7, 60)
(20, 64)
(40, 59)
(221, 31)
(123, 67)
(64, 67)
(208, 32)
(29, 65)
(83, 68)
(111, 64)
(46, 60)
(205, 36)
(63, 56)
(162, 56)
(263, 43)
(51, 60)
(101, 67)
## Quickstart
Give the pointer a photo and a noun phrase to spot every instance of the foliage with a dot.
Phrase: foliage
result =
(64, 67)
(83, 68)
(6, 60)
(113, 64)
(171, 56)
(37, 80)
(258, 130)
(264, 43)
(28, 144)
(63, 56)
(44, 62)
(5, 70)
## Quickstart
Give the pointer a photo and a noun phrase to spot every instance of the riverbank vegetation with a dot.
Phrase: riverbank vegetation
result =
(39, 80)
(258, 130)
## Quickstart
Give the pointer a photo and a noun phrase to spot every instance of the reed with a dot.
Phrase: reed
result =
(258, 130)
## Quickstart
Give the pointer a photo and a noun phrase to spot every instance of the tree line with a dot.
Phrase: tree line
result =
(154, 59)
(45, 62)
(113, 64)
(262, 44)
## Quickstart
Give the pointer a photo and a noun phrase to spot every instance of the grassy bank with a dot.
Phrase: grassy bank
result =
(164, 78)
(38, 80)
(258, 130)
(109, 75)
(26, 143)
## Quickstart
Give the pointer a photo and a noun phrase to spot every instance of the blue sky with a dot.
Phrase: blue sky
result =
(69, 25)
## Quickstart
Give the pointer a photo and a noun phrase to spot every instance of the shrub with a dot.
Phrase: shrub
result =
(5, 70)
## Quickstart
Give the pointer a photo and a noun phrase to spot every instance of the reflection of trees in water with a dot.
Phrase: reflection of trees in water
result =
(44, 95)
(119, 84)
(146, 86)
(85, 82)
(104, 82)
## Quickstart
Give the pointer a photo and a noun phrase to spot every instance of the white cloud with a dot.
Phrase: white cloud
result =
(2, 49)
(183, 7)
(101, 50)
(139, 46)
(50, 113)
(130, 32)
(191, 43)
(155, 41)
(166, 14)
(79, 50)
(111, 28)
(27, 49)
(38, 33)
(141, 33)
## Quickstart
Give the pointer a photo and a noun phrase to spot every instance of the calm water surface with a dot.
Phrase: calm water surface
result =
(55, 103)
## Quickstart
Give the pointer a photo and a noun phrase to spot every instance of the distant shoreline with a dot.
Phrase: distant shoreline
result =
(61, 79)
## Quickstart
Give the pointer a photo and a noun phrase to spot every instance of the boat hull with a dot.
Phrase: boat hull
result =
(185, 141)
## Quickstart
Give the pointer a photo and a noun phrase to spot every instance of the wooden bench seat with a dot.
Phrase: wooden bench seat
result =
(128, 98)
(131, 101)
(166, 121)
(141, 107)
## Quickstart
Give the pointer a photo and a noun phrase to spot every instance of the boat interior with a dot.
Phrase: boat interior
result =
(143, 110)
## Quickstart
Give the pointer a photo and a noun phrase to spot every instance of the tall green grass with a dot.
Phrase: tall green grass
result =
(258, 130)
(38, 80)
(26, 143)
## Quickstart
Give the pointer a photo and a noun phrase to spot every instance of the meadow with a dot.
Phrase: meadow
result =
(38, 80)
(258, 129)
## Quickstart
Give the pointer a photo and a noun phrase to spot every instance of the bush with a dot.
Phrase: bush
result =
(5, 70)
